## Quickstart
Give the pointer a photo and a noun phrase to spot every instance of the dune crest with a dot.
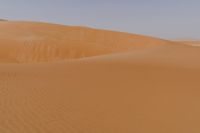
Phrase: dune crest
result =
(27, 42)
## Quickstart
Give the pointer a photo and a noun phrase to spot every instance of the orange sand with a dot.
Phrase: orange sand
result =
(190, 42)
(60, 79)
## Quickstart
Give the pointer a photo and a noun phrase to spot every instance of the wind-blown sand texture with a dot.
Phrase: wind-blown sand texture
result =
(62, 79)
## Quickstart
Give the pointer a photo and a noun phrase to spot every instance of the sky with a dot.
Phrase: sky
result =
(169, 19)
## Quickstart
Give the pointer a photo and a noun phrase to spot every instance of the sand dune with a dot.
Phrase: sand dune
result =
(190, 42)
(127, 84)
(40, 42)
(3, 20)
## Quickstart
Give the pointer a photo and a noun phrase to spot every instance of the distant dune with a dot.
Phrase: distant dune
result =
(190, 42)
(3, 20)
(64, 79)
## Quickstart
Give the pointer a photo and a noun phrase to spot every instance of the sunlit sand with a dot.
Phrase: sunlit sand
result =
(65, 79)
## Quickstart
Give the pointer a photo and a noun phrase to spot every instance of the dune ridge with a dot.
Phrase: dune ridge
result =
(41, 42)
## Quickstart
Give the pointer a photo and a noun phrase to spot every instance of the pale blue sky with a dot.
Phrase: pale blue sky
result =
(161, 18)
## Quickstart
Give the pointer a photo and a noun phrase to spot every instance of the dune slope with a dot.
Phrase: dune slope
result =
(147, 87)
(28, 42)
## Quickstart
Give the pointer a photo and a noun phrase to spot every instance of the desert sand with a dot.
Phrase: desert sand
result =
(191, 42)
(69, 79)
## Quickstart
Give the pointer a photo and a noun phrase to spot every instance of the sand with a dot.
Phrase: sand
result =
(62, 79)
(190, 42)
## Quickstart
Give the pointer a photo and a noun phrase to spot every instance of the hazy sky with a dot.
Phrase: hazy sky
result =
(162, 18)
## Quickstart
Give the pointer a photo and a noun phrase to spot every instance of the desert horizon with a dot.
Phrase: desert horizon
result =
(56, 78)
(74, 66)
